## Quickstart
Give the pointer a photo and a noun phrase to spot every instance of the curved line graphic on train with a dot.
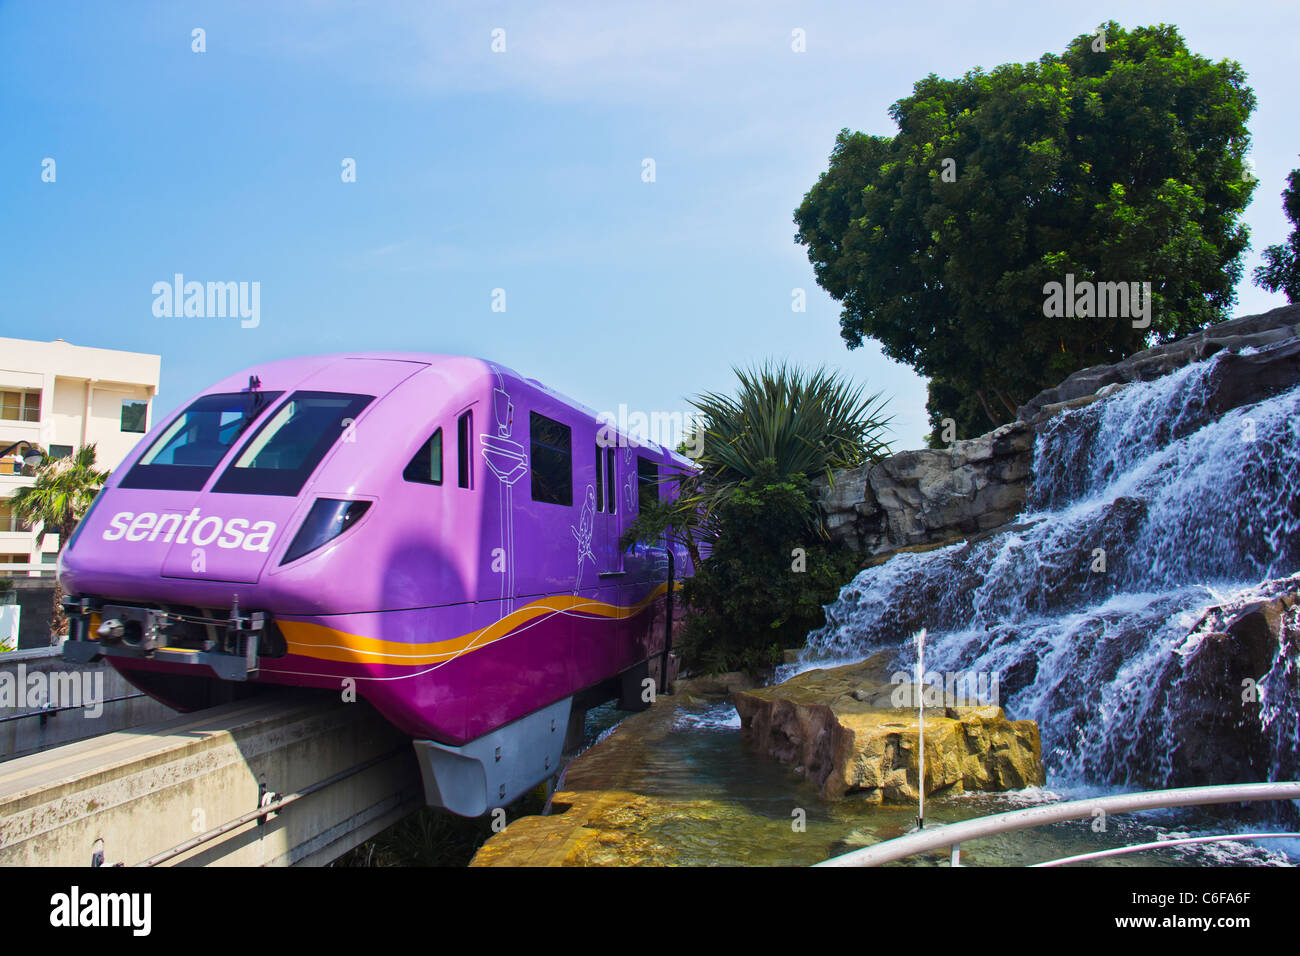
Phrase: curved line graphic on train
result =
(437, 531)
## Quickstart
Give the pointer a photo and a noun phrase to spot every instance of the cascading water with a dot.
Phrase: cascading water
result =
(1152, 514)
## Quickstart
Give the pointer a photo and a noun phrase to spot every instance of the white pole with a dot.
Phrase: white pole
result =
(920, 735)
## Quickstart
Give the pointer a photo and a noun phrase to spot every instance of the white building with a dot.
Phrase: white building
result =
(56, 397)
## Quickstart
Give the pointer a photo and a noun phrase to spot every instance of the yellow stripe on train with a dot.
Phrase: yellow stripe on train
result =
(326, 643)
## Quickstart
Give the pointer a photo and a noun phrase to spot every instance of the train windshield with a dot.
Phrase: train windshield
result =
(184, 455)
(283, 453)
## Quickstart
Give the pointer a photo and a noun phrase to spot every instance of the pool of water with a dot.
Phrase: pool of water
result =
(723, 804)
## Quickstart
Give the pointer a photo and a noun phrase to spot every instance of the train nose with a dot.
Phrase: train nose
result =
(228, 537)
(136, 534)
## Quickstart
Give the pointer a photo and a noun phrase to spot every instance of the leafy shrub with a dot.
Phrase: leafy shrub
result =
(764, 586)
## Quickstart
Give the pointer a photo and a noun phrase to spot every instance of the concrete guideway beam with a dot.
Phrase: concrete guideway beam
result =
(46, 702)
(146, 790)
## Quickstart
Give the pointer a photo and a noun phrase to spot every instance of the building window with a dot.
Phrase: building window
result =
(426, 466)
(552, 460)
(20, 406)
(134, 415)
(60, 451)
(647, 481)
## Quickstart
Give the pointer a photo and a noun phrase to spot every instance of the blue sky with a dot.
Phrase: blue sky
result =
(519, 170)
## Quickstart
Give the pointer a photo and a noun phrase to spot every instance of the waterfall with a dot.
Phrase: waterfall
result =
(1152, 515)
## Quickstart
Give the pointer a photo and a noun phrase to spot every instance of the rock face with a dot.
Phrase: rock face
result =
(920, 499)
(593, 821)
(712, 687)
(841, 727)
(1249, 331)
(1218, 686)
(932, 495)
(602, 828)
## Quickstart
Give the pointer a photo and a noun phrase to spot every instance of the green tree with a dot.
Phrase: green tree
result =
(63, 491)
(768, 576)
(800, 421)
(749, 504)
(1120, 160)
(1281, 269)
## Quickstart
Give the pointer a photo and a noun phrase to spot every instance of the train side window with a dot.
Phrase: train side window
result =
(611, 481)
(551, 472)
(600, 479)
(464, 429)
(647, 481)
(426, 466)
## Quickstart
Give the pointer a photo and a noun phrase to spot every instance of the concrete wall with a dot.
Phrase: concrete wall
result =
(66, 411)
(18, 676)
(104, 426)
(145, 791)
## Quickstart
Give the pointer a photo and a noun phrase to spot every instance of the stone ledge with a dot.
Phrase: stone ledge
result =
(1253, 331)
(937, 496)
(597, 820)
(839, 728)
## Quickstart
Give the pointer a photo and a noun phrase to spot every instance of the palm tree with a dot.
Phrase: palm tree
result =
(64, 489)
(784, 421)
(806, 422)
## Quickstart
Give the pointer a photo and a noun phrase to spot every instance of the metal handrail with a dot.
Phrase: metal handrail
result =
(953, 835)
(1162, 844)
(48, 711)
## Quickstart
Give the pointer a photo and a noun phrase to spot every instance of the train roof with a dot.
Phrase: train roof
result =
(300, 367)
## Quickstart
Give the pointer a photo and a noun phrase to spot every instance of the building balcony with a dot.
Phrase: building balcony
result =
(9, 524)
(20, 429)
(10, 483)
(28, 570)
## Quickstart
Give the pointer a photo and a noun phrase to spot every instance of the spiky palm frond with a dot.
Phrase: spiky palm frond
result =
(805, 422)
(785, 421)
(64, 489)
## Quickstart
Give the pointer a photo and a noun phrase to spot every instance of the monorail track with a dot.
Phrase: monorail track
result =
(289, 778)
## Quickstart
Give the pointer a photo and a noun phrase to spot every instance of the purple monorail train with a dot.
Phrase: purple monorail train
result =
(434, 531)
